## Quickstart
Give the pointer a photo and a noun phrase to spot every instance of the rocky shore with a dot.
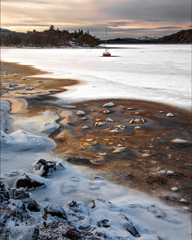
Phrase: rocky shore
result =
(23, 218)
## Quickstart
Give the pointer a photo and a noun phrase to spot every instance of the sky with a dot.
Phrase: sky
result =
(122, 18)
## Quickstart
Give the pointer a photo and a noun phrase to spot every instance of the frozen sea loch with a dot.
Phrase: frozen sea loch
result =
(159, 73)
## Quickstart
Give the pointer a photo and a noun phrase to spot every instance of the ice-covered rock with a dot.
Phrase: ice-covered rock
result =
(110, 104)
(81, 113)
(174, 189)
(137, 120)
(89, 140)
(179, 141)
(29, 181)
(55, 210)
(170, 115)
(24, 78)
(109, 120)
(99, 124)
(119, 149)
(24, 141)
(122, 127)
(183, 200)
(83, 118)
(26, 197)
(106, 111)
(50, 126)
(115, 131)
(170, 173)
(120, 145)
(85, 127)
(45, 168)
(137, 127)
(45, 123)
(54, 90)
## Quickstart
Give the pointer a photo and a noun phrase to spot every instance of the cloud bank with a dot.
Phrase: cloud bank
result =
(123, 18)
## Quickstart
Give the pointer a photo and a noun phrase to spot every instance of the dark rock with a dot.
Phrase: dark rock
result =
(130, 228)
(18, 210)
(101, 235)
(4, 192)
(169, 197)
(36, 233)
(73, 233)
(26, 181)
(33, 207)
(156, 180)
(129, 176)
(26, 198)
(103, 223)
(54, 210)
(13, 85)
(85, 228)
(73, 204)
(82, 161)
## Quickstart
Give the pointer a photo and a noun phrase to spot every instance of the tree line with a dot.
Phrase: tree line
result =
(50, 38)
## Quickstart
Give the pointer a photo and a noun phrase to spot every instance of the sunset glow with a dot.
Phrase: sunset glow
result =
(133, 18)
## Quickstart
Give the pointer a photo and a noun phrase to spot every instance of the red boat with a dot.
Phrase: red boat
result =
(106, 53)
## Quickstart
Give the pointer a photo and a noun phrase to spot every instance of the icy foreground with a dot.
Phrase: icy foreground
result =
(159, 73)
(69, 201)
(99, 220)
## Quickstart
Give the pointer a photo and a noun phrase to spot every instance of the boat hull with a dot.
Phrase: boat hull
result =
(106, 54)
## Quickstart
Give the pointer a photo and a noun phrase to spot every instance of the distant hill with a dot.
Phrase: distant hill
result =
(184, 36)
(5, 32)
(181, 37)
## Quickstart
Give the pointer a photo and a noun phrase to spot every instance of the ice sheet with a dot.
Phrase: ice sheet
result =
(159, 73)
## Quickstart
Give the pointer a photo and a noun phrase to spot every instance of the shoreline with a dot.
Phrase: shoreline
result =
(91, 143)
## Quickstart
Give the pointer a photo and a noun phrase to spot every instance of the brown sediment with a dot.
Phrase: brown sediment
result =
(131, 157)
(40, 86)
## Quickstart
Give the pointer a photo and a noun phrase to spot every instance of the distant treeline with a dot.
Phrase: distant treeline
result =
(49, 38)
